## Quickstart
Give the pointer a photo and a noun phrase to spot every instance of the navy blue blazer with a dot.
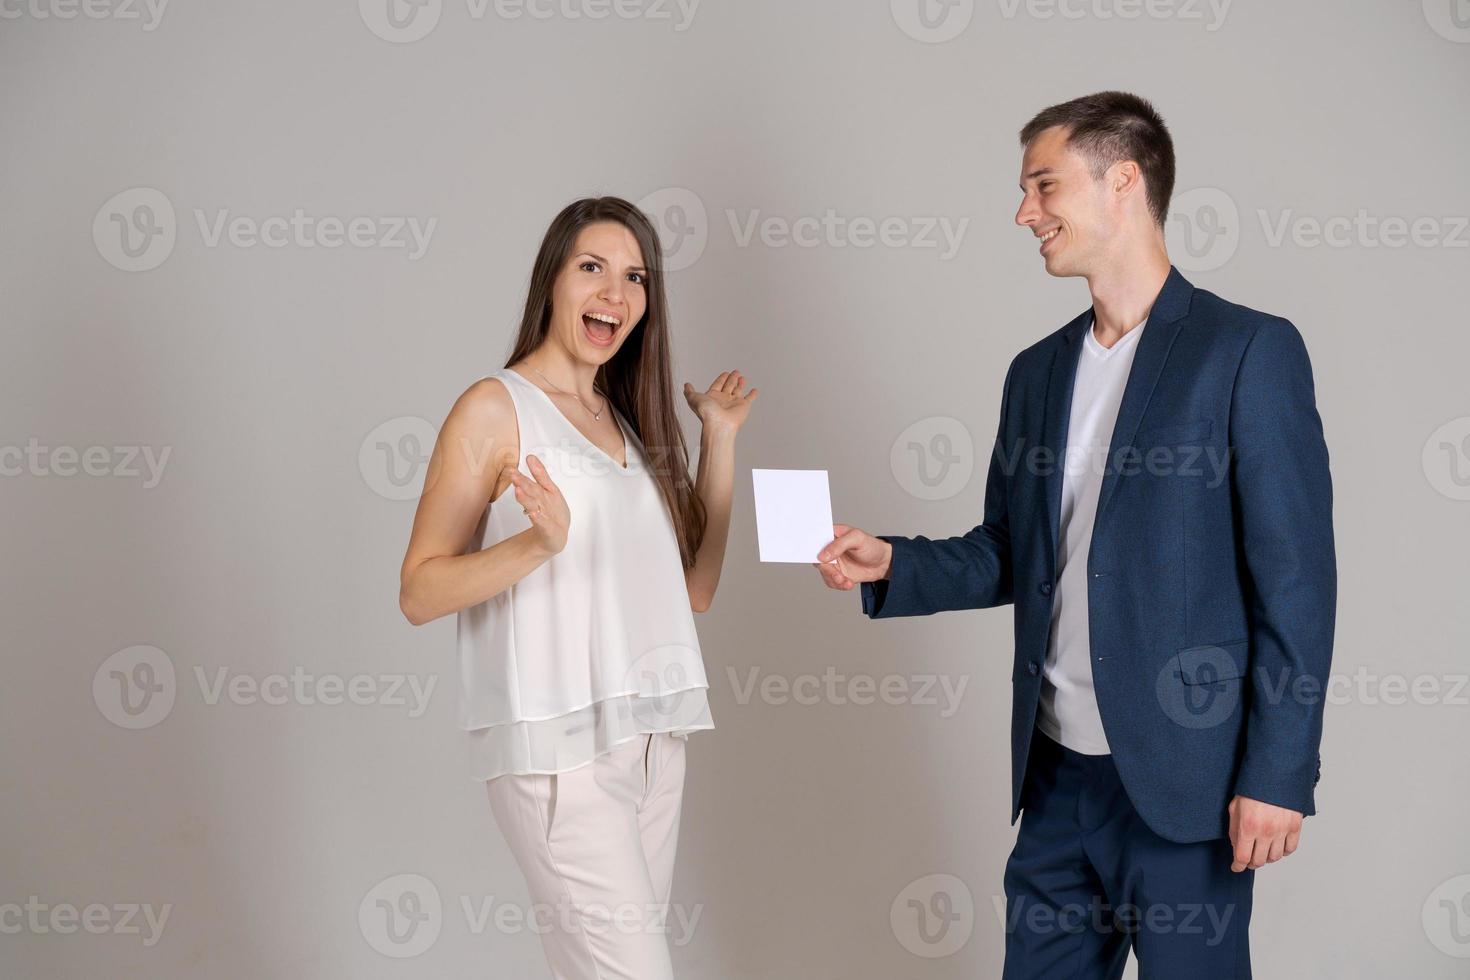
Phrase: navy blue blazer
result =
(1212, 577)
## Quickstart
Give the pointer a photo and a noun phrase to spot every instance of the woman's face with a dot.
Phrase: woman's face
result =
(600, 293)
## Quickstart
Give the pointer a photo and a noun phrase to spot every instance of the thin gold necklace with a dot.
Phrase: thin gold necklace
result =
(597, 415)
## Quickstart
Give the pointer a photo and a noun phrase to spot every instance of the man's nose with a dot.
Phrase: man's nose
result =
(1026, 213)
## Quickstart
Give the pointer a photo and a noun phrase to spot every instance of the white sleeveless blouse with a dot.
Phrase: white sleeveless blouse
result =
(595, 646)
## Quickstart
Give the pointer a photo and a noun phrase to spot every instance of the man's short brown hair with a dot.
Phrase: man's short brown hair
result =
(1110, 126)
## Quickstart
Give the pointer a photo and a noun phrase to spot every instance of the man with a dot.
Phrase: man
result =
(1159, 511)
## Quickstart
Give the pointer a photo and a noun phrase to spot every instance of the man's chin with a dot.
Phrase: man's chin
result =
(1060, 270)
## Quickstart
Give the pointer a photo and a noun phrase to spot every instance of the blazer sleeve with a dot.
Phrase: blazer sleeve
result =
(1283, 493)
(972, 571)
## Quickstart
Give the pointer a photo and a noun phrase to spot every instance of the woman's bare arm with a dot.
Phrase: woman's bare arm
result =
(722, 410)
(714, 483)
(471, 464)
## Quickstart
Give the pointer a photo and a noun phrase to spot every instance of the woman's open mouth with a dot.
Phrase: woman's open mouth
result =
(600, 328)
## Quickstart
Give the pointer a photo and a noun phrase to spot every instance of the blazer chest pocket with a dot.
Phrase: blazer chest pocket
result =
(1212, 663)
(1174, 435)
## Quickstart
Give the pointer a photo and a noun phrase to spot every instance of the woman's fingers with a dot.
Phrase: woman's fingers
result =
(538, 470)
(528, 493)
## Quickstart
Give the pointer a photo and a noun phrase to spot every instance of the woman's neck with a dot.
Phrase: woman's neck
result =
(564, 371)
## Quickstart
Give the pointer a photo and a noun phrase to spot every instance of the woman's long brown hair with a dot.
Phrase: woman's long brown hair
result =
(637, 379)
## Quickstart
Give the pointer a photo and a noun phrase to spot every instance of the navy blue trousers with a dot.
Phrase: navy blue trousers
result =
(1088, 880)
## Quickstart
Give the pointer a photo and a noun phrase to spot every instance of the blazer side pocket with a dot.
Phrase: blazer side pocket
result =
(1174, 435)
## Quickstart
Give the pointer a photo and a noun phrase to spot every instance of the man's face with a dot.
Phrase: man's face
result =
(1064, 207)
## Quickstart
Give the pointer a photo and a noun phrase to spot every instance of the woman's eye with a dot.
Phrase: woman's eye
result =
(589, 266)
(636, 277)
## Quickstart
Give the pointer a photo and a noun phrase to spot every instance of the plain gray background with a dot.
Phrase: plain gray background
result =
(294, 388)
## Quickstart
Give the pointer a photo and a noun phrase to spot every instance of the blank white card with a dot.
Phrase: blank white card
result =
(793, 513)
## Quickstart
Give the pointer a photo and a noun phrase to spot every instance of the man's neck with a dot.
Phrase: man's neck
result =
(1123, 295)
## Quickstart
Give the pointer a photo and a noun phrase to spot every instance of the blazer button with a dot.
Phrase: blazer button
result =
(1044, 588)
(1032, 668)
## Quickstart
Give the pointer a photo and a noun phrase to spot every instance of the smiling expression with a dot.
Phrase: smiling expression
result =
(1068, 211)
(600, 294)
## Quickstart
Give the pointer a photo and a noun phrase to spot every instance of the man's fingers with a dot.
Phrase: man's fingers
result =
(1277, 850)
(1293, 840)
(834, 578)
(1244, 846)
(845, 542)
(1260, 852)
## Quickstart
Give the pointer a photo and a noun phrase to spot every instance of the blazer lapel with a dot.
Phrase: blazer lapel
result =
(1058, 416)
(1165, 319)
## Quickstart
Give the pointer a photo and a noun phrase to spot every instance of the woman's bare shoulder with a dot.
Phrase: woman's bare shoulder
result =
(483, 421)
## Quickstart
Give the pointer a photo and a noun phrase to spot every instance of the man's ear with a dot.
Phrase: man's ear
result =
(1124, 179)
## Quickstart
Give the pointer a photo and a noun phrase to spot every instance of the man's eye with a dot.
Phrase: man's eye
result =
(1046, 183)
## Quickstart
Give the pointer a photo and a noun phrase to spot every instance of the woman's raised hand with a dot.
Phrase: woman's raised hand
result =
(725, 403)
(544, 505)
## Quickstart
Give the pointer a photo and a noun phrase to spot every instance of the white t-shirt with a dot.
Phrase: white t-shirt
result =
(1068, 708)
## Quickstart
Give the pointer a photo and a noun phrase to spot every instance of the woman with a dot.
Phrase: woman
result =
(581, 673)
